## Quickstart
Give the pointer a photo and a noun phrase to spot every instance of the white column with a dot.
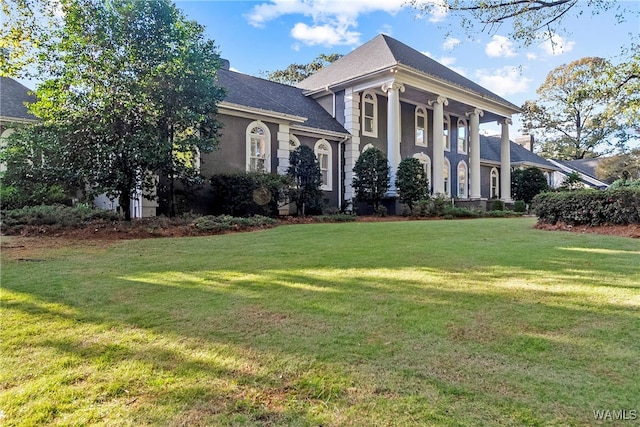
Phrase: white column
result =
(352, 145)
(474, 152)
(283, 148)
(393, 131)
(437, 165)
(505, 162)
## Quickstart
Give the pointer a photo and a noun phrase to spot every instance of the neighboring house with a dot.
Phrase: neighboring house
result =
(13, 110)
(586, 168)
(383, 94)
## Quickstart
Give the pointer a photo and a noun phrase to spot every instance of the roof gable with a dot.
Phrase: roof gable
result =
(13, 97)
(383, 52)
(490, 151)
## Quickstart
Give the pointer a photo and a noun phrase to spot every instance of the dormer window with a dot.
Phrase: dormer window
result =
(370, 114)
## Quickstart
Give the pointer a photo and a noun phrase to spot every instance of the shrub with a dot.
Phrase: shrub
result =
(497, 205)
(335, 218)
(589, 207)
(520, 206)
(527, 183)
(412, 182)
(219, 223)
(248, 194)
(456, 212)
(58, 215)
(304, 171)
(371, 180)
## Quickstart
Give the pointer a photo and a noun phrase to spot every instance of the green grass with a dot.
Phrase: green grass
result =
(446, 323)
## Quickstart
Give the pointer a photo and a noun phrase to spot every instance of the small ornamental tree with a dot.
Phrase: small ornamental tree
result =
(371, 180)
(305, 172)
(411, 182)
(527, 183)
(572, 182)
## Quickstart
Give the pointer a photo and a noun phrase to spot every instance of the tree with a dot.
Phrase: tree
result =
(305, 172)
(625, 166)
(527, 183)
(575, 111)
(530, 21)
(371, 180)
(412, 182)
(572, 182)
(132, 93)
(295, 73)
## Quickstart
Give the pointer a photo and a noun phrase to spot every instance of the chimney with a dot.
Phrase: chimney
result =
(526, 141)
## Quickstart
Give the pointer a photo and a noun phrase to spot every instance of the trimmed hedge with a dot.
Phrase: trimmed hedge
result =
(589, 207)
(219, 223)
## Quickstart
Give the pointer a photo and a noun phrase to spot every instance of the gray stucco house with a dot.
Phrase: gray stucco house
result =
(383, 94)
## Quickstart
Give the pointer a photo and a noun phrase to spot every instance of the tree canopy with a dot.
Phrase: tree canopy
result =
(526, 21)
(132, 93)
(305, 172)
(295, 73)
(371, 180)
(579, 111)
(412, 182)
(527, 183)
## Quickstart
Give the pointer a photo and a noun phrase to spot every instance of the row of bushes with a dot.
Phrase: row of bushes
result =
(60, 215)
(589, 207)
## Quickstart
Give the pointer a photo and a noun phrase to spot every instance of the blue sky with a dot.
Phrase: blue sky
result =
(265, 35)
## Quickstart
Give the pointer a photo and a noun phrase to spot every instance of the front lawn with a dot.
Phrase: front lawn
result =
(475, 322)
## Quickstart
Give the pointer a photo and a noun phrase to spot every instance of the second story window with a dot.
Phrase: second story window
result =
(421, 126)
(370, 114)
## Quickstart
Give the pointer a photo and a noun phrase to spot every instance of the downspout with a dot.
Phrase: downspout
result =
(333, 106)
(340, 174)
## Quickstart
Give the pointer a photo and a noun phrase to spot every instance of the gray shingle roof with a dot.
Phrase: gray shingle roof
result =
(490, 151)
(13, 96)
(383, 52)
(584, 166)
(263, 94)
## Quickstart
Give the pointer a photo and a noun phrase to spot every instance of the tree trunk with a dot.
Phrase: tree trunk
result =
(125, 205)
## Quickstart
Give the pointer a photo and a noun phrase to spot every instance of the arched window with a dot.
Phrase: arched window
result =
(421, 126)
(495, 183)
(366, 147)
(322, 150)
(258, 147)
(447, 134)
(370, 114)
(294, 142)
(446, 173)
(462, 180)
(425, 161)
(462, 136)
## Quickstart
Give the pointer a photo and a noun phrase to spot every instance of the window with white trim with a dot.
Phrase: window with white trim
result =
(366, 147)
(463, 136)
(322, 150)
(446, 133)
(294, 142)
(462, 180)
(369, 114)
(425, 161)
(495, 183)
(446, 172)
(258, 147)
(421, 126)
(3, 143)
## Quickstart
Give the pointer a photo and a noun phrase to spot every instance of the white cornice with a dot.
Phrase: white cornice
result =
(313, 132)
(5, 119)
(238, 110)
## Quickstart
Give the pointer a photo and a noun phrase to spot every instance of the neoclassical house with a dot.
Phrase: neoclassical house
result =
(13, 110)
(383, 94)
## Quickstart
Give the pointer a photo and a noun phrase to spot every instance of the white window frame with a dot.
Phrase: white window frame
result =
(3, 143)
(421, 112)
(366, 147)
(463, 143)
(463, 191)
(374, 103)
(446, 175)
(494, 190)
(446, 131)
(323, 148)
(425, 161)
(266, 141)
(294, 142)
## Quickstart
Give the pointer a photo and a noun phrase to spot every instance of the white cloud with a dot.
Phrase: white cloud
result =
(450, 43)
(555, 45)
(447, 61)
(499, 46)
(331, 21)
(324, 35)
(504, 81)
(532, 56)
